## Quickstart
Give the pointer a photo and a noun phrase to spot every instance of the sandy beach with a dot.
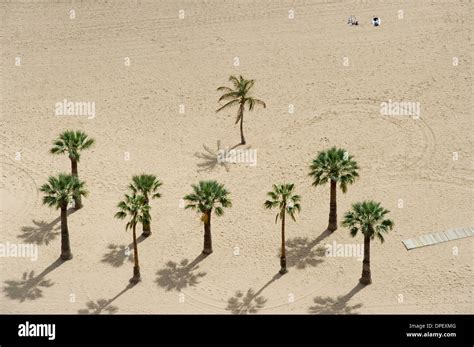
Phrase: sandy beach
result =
(152, 68)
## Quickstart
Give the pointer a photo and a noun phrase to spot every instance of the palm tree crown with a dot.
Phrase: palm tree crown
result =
(239, 95)
(134, 206)
(72, 142)
(334, 164)
(207, 195)
(146, 184)
(368, 217)
(61, 189)
(282, 197)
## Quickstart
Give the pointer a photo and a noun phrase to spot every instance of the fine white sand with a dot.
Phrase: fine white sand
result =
(182, 61)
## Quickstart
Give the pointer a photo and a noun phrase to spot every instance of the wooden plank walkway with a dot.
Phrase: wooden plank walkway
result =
(442, 236)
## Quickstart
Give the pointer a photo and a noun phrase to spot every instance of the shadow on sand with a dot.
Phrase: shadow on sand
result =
(211, 158)
(29, 287)
(178, 276)
(42, 233)
(300, 251)
(118, 254)
(250, 302)
(103, 305)
(339, 305)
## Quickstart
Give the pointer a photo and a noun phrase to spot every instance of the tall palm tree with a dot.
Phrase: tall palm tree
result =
(135, 207)
(146, 185)
(369, 218)
(206, 197)
(58, 192)
(72, 142)
(334, 165)
(287, 202)
(239, 95)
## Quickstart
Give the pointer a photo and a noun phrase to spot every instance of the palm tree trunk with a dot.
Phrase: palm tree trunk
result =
(366, 277)
(283, 269)
(65, 246)
(207, 234)
(146, 224)
(241, 112)
(136, 268)
(74, 172)
(333, 208)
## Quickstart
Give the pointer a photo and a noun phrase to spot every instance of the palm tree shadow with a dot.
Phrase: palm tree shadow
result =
(118, 254)
(42, 232)
(178, 276)
(300, 251)
(250, 302)
(210, 158)
(339, 305)
(213, 158)
(29, 287)
(103, 305)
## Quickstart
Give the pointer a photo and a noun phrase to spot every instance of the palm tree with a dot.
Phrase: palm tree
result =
(368, 217)
(334, 165)
(208, 196)
(58, 192)
(239, 95)
(72, 142)
(146, 185)
(283, 198)
(135, 207)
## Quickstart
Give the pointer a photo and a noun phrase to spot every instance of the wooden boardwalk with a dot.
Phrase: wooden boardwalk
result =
(442, 236)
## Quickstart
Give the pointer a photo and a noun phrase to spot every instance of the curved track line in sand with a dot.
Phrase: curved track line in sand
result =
(201, 299)
(28, 184)
(417, 133)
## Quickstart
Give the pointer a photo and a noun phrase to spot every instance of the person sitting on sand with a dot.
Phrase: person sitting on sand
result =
(375, 21)
(352, 20)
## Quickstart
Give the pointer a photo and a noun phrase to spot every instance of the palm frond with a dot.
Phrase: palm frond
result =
(72, 142)
(282, 197)
(368, 216)
(229, 96)
(334, 164)
(208, 195)
(61, 189)
(225, 89)
(227, 105)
